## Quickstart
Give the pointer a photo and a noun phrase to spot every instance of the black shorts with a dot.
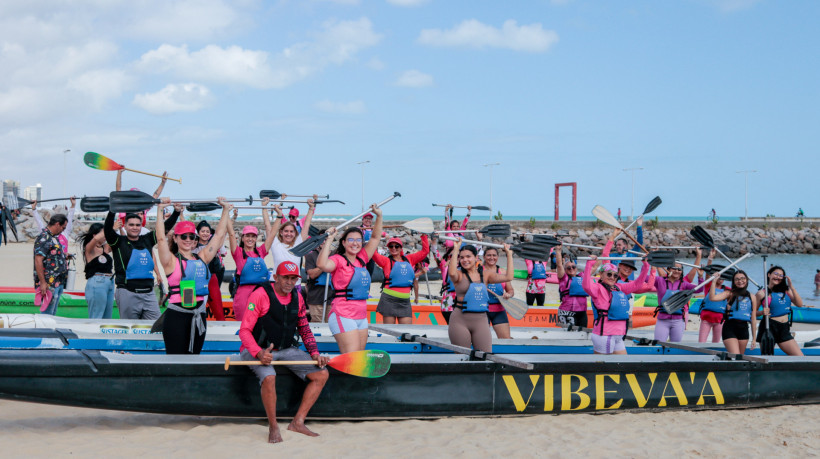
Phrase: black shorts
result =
(781, 331)
(736, 329)
(498, 317)
(567, 318)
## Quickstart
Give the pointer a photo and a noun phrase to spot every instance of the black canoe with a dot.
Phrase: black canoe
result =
(417, 386)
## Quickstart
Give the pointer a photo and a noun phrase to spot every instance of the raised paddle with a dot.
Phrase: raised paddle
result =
(658, 259)
(526, 250)
(605, 216)
(419, 225)
(496, 230)
(364, 364)
(25, 202)
(653, 204)
(464, 207)
(766, 338)
(305, 247)
(100, 162)
(514, 306)
(552, 241)
(682, 297)
(725, 275)
(10, 224)
(130, 201)
(313, 231)
(94, 204)
(274, 195)
(703, 237)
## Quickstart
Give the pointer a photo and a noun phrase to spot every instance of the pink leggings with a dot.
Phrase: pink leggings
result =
(706, 327)
(669, 329)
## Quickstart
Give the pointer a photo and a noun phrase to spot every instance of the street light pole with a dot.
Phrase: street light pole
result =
(65, 168)
(362, 163)
(632, 203)
(490, 165)
(746, 179)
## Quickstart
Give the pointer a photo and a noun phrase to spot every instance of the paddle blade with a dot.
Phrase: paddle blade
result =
(497, 230)
(677, 301)
(94, 204)
(365, 364)
(605, 216)
(202, 206)
(767, 343)
(420, 225)
(716, 267)
(653, 204)
(481, 208)
(532, 251)
(313, 231)
(272, 194)
(545, 239)
(514, 307)
(661, 258)
(98, 161)
(130, 201)
(700, 235)
(304, 248)
(10, 223)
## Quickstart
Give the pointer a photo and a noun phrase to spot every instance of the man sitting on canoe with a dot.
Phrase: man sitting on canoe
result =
(268, 333)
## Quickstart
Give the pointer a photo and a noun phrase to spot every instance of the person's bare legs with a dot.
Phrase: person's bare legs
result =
(314, 388)
(269, 401)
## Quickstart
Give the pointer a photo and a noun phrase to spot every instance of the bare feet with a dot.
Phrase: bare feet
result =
(273, 434)
(300, 427)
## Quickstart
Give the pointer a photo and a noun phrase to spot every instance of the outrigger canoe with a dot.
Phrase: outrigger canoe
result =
(416, 386)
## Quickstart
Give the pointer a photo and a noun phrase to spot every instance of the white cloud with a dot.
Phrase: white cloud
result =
(174, 98)
(414, 79)
(349, 108)
(100, 86)
(375, 64)
(473, 34)
(337, 43)
(408, 3)
(186, 20)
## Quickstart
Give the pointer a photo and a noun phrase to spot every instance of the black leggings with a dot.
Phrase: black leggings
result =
(536, 298)
(176, 332)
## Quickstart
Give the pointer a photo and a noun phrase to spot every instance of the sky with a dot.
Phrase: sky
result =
(237, 97)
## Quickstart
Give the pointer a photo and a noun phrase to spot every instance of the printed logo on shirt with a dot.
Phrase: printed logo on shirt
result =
(251, 306)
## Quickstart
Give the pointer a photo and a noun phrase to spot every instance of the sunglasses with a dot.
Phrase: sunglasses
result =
(187, 237)
(777, 276)
(351, 240)
(610, 274)
(570, 267)
(675, 268)
(391, 246)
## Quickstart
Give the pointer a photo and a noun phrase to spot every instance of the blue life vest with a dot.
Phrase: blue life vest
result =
(539, 270)
(323, 279)
(781, 304)
(742, 309)
(366, 233)
(497, 288)
(140, 265)
(714, 306)
(401, 274)
(255, 270)
(618, 308)
(476, 299)
(576, 287)
(668, 294)
(359, 286)
(195, 270)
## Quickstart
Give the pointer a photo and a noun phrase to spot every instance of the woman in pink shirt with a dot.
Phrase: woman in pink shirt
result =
(351, 282)
(610, 305)
(497, 314)
(573, 308)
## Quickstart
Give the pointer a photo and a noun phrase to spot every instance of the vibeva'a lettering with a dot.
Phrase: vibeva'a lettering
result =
(573, 392)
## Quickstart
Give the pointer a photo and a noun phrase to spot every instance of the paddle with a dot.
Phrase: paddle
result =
(419, 225)
(94, 204)
(274, 195)
(526, 250)
(496, 230)
(305, 247)
(703, 237)
(658, 259)
(767, 338)
(100, 162)
(25, 202)
(682, 297)
(364, 364)
(552, 241)
(515, 307)
(313, 231)
(605, 216)
(725, 275)
(10, 223)
(130, 201)
(4, 236)
(464, 207)
(653, 204)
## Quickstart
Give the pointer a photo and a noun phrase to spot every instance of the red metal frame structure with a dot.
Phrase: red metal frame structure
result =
(574, 186)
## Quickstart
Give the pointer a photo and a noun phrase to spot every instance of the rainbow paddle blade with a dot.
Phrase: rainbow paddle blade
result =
(365, 364)
(98, 161)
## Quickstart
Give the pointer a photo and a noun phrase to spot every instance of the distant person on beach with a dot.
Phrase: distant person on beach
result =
(800, 213)
(275, 313)
(118, 187)
(619, 214)
(134, 266)
(712, 214)
(817, 280)
(50, 268)
(62, 237)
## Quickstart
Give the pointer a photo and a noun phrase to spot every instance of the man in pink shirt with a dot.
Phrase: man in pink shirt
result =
(275, 313)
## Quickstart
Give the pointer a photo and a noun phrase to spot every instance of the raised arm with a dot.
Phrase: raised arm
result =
(717, 296)
(792, 292)
(559, 262)
(108, 228)
(308, 218)
(161, 184)
(452, 265)
(376, 235)
(507, 275)
(89, 248)
(211, 250)
(690, 277)
(118, 186)
(232, 232)
(322, 261)
(467, 217)
(166, 258)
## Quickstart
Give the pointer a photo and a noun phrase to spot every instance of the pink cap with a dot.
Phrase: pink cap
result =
(287, 268)
(184, 227)
(42, 300)
(250, 229)
(134, 189)
(610, 267)
(367, 215)
(448, 243)
(294, 212)
(395, 240)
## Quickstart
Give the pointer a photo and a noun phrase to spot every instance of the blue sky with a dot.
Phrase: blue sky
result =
(240, 96)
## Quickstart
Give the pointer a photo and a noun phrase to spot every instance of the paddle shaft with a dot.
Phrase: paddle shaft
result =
(717, 274)
(153, 175)
(356, 217)
(611, 221)
(455, 207)
(468, 241)
(653, 204)
(273, 194)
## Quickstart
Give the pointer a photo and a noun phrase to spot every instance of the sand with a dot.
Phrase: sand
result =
(34, 430)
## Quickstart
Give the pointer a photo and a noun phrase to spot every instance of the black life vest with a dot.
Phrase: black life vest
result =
(278, 325)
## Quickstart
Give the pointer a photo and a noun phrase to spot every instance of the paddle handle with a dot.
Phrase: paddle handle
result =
(396, 194)
(454, 207)
(730, 260)
(717, 274)
(153, 175)
(468, 241)
(229, 363)
(635, 241)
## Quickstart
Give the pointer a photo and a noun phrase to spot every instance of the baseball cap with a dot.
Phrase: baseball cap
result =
(184, 227)
(287, 268)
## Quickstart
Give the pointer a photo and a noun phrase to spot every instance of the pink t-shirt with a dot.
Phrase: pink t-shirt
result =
(570, 303)
(600, 296)
(351, 309)
(239, 259)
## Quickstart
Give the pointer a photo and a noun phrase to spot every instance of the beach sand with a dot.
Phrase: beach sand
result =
(33, 430)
